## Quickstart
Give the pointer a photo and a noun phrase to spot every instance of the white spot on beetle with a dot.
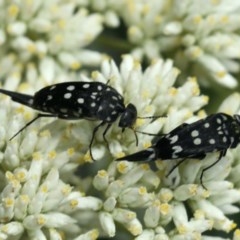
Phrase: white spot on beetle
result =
(173, 139)
(67, 95)
(52, 87)
(80, 100)
(224, 139)
(86, 85)
(49, 97)
(176, 149)
(197, 141)
(219, 120)
(212, 141)
(194, 133)
(206, 125)
(70, 87)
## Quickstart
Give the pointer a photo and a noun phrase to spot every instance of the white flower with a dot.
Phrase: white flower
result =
(152, 92)
(40, 188)
(35, 201)
(45, 40)
(203, 40)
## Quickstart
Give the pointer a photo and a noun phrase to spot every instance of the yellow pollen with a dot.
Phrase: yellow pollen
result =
(36, 156)
(61, 23)
(197, 19)
(142, 190)
(195, 53)
(232, 226)
(225, 19)
(149, 109)
(94, 234)
(120, 155)
(44, 189)
(9, 202)
(211, 222)
(134, 230)
(166, 197)
(156, 203)
(131, 6)
(31, 48)
(70, 151)
(193, 80)
(13, 10)
(87, 157)
(132, 31)
(182, 229)
(102, 173)
(25, 198)
(29, 2)
(145, 9)
(145, 94)
(221, 74)
(94, 74)
(75, 65)
(193, 189)
(122, 167)
(205, 99)
(188, 115)
(21, 176)
(195, 90)
(145, 166)
(9, 176)
(66, 189)
(45, 133)
(139, 122)
(137, 64)
(24, 86)
(74, 203)
(52, 154)
(237, 233)
(205, 193)
(15, 183)
(215, 2)
(158, 19)
(131, 215)
(58, 39)
(27, 116)
(201, 114)
(172, 91)
(176, 71)
(165, 208)
(147, 144)
(199, 214)
(41, 220)
(4, 229)
(16, 74)
(20, 109)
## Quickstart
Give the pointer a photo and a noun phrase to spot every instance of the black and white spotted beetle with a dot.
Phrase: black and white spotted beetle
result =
(79, 100)
(217, 132)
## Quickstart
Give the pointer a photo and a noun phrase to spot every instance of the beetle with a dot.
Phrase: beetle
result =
(79, 100)
(215, 133)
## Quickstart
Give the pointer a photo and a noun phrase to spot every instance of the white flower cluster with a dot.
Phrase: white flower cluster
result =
(38, 40)
(202, 38)
(50, 187)
(39, 197)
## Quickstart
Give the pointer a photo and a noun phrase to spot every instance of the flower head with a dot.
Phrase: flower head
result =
(203, 40)
(40, 193)
(45, 40)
